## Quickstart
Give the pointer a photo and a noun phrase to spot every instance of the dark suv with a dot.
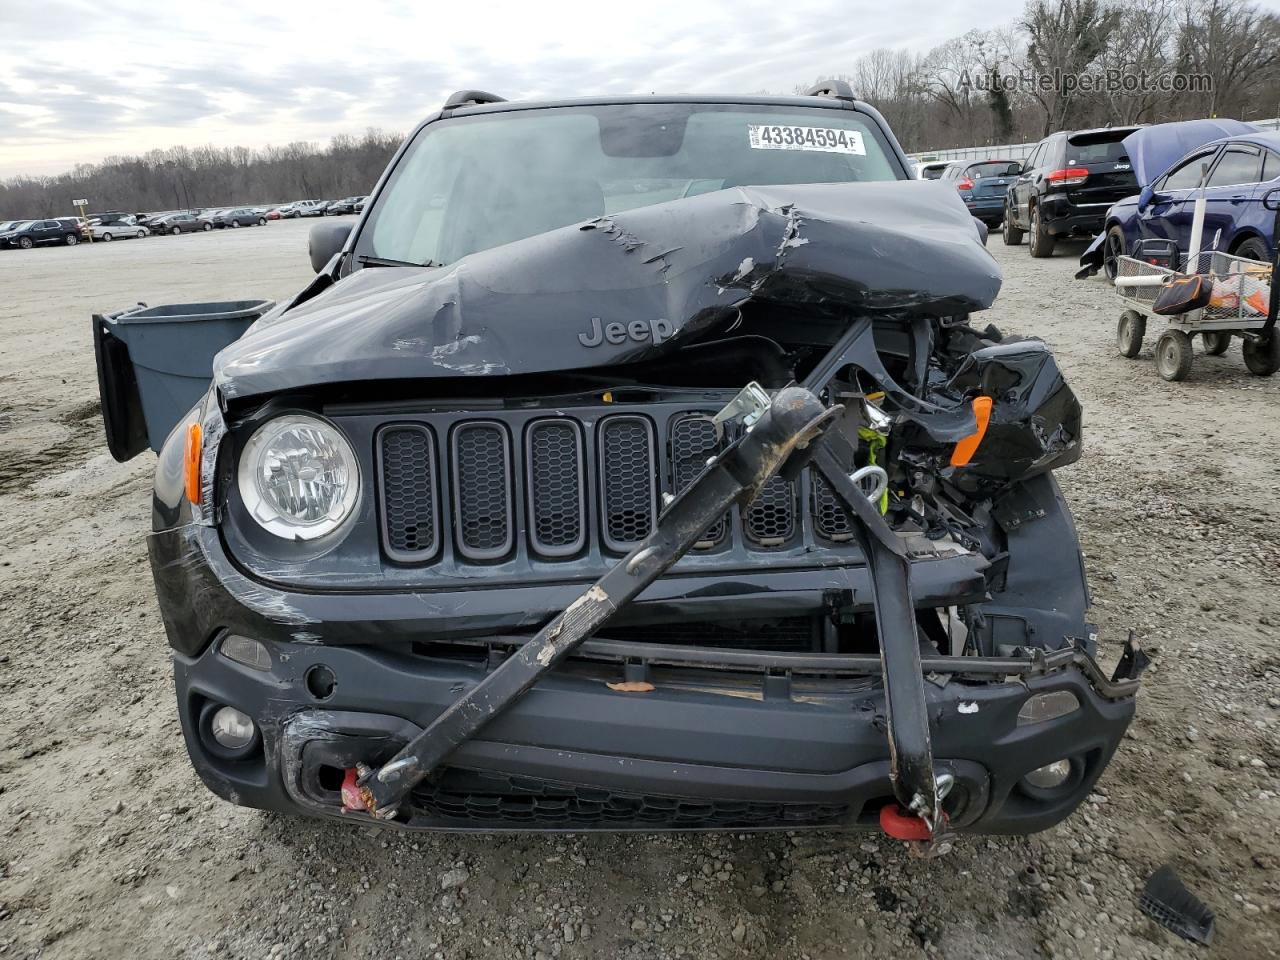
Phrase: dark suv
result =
(631, 464)
(29, 233)
(1066, 185)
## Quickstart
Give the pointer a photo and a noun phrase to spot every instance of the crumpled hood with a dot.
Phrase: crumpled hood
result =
(624, 288)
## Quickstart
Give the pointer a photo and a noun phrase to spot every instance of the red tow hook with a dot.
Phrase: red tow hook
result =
(354, 796)
(897, 823)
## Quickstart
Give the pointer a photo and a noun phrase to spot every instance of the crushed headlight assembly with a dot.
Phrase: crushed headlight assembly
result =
(298, 477)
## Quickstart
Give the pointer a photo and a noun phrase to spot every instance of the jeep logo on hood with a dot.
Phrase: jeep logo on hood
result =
(615, 333)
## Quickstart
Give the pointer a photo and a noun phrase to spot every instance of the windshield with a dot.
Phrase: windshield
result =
(1095, 149)
(992, 168)
(472, 183)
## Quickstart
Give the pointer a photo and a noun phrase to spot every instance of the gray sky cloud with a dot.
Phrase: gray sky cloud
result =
(159, 73)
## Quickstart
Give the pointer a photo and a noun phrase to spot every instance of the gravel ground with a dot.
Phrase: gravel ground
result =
(112, 847)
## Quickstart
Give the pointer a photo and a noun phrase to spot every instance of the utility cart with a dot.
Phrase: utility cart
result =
(1242, 302)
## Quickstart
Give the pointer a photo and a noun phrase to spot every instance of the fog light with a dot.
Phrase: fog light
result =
(1050, 776)
(1047, 706)
(231, 728)
(243, 650)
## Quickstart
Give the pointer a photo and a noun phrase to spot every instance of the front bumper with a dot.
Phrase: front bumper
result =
(737, 741)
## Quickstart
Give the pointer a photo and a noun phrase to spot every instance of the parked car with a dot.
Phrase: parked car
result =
(931, 169)
(125, 227)
(302, 208)
(148, 219)
(7, 225)
(176, 223)
(374, 533)
(238, 217)
(344, 206)
(30, 233)
(1066, 186)
(983, 185)
(359, 205)
(1242, 169)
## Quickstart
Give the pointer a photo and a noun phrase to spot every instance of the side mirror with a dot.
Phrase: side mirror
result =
(325, 240)
(1145, 196)
(1014, 170)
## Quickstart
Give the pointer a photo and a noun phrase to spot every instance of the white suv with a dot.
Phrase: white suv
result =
(303, 208)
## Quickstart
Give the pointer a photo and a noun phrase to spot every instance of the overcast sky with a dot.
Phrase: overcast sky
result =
(85, 79)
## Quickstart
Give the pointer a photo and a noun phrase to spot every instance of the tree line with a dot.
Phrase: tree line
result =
(1063, 64)
(1071, 64)
(180, 178)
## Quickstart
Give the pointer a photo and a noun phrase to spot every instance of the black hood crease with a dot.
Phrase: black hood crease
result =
(631, 286)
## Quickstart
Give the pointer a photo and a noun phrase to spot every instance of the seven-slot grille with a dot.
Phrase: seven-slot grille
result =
(628, 484)
(693, 441)
(829, 518)
(574, 484)
(557, 488)
(482, 490)
(410, 508)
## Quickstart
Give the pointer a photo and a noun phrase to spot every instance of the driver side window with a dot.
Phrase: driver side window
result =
(1186, 176)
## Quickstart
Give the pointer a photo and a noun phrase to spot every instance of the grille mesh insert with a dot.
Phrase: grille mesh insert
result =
(409, 493)
(556, 487)
(627, 477)
(770, 519)
(482, 490)
(693, 441)
(829, 518)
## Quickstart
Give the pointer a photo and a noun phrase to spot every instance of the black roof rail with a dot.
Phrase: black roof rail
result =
(839, 89)
(465, 98)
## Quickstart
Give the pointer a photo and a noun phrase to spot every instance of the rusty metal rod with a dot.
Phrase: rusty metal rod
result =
(794, 418)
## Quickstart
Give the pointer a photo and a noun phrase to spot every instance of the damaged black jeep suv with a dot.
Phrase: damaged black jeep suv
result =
(630, 464)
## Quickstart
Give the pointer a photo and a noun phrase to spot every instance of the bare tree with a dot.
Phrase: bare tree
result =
(1237, 46)
(1064, 40)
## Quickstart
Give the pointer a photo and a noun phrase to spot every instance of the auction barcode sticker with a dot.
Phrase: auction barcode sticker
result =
(768, 136)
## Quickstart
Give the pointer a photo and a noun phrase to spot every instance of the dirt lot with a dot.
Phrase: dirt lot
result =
(111, 847)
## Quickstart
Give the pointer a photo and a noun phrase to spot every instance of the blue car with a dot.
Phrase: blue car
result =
(1242, 169)
(983, 185)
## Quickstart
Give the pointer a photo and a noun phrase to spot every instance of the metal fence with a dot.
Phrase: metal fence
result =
(1020, 151)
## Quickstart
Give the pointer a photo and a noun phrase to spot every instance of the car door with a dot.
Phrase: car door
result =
(46, 231)
(1259, 219)
(1230, 192)
(1168, 215)
(1024, 185)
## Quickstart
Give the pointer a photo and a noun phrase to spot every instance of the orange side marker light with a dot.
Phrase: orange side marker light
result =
(191, 462)
(967, 447)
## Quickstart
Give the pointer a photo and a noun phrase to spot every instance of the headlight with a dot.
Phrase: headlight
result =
(298, 477)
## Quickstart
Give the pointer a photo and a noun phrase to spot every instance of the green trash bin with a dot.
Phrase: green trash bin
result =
(155, 363)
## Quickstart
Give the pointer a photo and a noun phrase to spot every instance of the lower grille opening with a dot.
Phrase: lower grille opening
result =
(493, 799)
(794, 634)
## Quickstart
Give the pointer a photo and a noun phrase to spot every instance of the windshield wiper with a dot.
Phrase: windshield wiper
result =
(367, 261)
